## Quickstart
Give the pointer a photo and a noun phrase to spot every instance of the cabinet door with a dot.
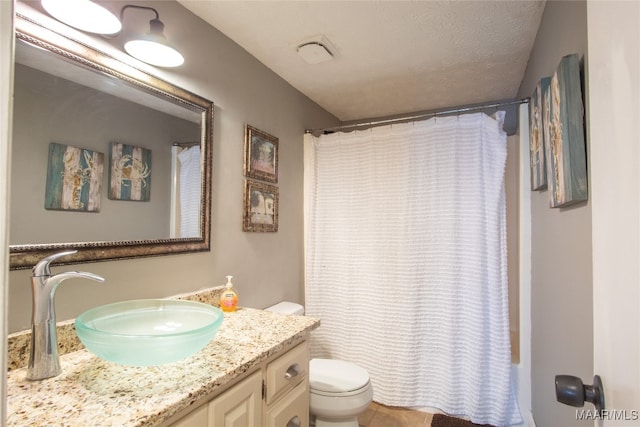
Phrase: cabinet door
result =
(193, 419)
(240, 406)
(292, 410)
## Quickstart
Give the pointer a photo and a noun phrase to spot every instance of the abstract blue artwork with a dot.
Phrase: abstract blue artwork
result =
(74, 179)
(565, 148)
(130, 173)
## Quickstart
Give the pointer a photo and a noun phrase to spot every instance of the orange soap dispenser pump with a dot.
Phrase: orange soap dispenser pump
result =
(229, 299)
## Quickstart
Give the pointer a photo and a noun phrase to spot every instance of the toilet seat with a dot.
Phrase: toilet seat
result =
(330, 377)
(362, 390)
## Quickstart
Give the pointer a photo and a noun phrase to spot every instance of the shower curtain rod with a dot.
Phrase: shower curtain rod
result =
(186, 144)
(419, 116)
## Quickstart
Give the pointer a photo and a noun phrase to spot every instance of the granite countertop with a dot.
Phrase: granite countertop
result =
(92, 392)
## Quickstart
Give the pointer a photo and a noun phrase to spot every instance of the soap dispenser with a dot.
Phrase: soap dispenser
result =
(229, 299)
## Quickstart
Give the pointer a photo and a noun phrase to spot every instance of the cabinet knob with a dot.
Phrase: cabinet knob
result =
(294, 422)
(293, 371)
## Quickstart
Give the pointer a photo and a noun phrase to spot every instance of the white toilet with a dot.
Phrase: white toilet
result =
(339, 390)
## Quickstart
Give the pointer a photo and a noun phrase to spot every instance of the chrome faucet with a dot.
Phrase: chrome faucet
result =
(43, 358)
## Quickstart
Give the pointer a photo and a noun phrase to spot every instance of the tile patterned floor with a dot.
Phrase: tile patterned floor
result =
(386, 416)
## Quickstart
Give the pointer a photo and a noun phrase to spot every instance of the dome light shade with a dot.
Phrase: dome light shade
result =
(153, 48)
(84, 15)
(154, 53)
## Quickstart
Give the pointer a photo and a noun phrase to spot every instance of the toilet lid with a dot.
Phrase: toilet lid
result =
(336, 376)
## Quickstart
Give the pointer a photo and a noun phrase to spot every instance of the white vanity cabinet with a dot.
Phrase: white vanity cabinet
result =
(275, 395)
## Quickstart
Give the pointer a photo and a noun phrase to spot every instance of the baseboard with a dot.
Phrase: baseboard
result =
(532, 422)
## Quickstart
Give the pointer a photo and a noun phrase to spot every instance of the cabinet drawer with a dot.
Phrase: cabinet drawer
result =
(292, 410)
(287, 371)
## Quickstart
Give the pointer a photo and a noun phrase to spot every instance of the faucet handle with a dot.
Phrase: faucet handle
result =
(42, 267)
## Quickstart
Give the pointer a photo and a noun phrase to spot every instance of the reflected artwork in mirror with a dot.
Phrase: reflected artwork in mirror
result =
(72, 95)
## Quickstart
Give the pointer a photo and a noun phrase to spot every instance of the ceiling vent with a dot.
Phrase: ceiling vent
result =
(316, 49)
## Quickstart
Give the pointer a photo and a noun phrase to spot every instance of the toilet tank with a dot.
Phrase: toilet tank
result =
(286, 307)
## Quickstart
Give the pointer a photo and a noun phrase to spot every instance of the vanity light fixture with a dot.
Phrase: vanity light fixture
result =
(153, 47)
(86, 15)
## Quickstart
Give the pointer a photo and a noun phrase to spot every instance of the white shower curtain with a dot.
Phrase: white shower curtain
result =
(405, 252)
(190, 189)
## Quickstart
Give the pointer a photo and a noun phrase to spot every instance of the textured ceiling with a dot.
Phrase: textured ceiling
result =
(392, 57)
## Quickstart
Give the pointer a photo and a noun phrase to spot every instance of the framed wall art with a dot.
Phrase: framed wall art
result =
(565, 149)
(74, 179)
(260, 155)
(537, 136)
(260, 213)
(129, 173)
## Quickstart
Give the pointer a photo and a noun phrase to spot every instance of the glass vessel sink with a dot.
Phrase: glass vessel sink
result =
(148, 332)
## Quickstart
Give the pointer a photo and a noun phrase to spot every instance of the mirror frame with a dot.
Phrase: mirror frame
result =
(26, 256)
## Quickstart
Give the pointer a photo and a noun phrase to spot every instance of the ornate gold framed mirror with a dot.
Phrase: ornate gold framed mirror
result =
(70, 94)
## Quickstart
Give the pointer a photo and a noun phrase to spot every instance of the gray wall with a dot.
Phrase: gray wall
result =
(561, 282)
(268, 267)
